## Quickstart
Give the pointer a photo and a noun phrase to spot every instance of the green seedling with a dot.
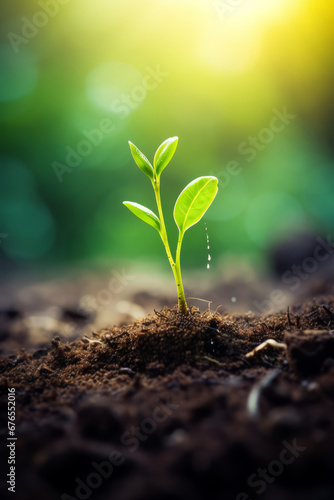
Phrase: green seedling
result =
(189, 208)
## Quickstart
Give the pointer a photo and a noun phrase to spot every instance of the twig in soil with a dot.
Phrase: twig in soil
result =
(212, 360)
(331, 318)
(91, 341)
(298, 321)
(160, 314)
(254, 395)
(328, 311)
(271, 342)
(211, 328)
(312, 313)
(209, 302)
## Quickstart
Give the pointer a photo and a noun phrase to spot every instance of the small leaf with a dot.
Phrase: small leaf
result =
(141, 161)
(194, 201)
(164, 154)
(144, 214)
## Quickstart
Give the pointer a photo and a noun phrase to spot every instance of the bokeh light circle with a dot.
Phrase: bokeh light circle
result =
(115, 87)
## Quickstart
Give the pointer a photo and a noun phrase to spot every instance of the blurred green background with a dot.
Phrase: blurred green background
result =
(246, 85)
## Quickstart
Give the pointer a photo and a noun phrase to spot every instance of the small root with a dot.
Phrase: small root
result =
(212, 360)
(271, 342)
(209, 302)
(255, 394)
(160, 314)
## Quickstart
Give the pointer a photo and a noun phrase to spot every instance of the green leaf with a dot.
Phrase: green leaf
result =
(194, 201)
(141, 161)
(144, 214)
(164, 154)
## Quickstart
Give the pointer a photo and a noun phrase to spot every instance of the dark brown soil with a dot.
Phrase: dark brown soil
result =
(170, 407)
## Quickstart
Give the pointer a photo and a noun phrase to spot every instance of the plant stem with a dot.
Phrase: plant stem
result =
(182, 299)
(176, 267)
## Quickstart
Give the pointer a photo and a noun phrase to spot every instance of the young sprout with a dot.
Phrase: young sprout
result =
(189, 208)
